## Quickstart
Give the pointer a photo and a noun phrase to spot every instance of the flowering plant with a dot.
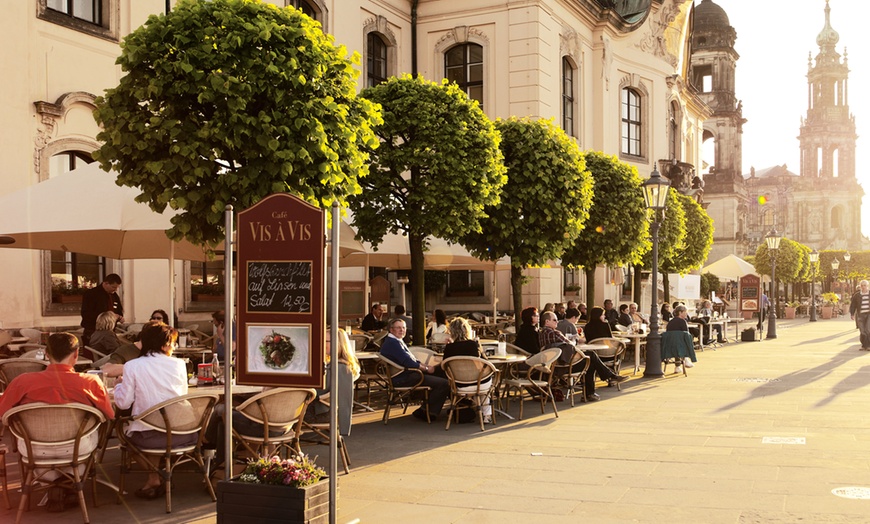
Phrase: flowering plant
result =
(296, 473)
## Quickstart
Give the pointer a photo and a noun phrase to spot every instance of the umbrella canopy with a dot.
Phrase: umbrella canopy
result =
(395, 253)
(84, 211)
(731, 267)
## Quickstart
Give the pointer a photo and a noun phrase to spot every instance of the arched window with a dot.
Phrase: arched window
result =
(631, 122)
(376, 60)
(463, 64)
(567, 97)
(767, 218)
(72, 272)
(306, 8)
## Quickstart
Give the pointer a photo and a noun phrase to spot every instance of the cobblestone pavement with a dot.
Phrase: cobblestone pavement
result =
(759, 432)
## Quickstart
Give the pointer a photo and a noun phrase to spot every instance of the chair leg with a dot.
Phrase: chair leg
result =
(345, 457)
(3, 477)
(26, 488)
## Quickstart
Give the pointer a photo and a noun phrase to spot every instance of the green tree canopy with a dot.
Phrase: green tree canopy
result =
(228, 101)
(438, 167)
(672, 235)
(698, 240)
(544, 204)
(617, 231)
(789, 260)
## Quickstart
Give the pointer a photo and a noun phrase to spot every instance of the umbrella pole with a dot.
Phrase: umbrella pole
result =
(172, 304)
(494, 290)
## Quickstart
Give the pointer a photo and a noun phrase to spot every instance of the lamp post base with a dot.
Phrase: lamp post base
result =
(653, 367)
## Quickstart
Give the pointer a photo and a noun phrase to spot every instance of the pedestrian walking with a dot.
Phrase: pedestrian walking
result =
(859, 309)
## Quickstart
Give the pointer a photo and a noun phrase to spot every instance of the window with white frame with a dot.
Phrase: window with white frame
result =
(463, 64)
(96, 17)
(631, 122)
(568, 107)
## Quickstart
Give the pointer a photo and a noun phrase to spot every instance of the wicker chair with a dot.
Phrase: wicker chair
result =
(50, 429)
(34, 335)
(613, 355)
(278, 410)
(319, 433)
(3, 450)
(573, 374)
(387, 369)
(538, 380)
(479, 379)
(11, 368)
(185, 415)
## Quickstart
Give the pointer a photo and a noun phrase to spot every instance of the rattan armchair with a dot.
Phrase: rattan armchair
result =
(538, 380)
(470, 378)
(613, 355)
(279, 412)
(400, 395)
(573, 374)
(44, 434)
(12, 367)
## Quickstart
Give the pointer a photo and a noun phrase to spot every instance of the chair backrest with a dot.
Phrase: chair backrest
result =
(576, 357)
(34, 335)
(387, 369)
(33, 354)
(277, 408)
(424, 355)
(54, 425)
(379, 337)
(516, 350)
(96, 352)
(615, 347)
(439, 338)
(545, 358)
(11, 368)
(183, 415)
(467, 370)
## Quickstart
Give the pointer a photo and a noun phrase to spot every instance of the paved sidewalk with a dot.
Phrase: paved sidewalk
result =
(675, 449)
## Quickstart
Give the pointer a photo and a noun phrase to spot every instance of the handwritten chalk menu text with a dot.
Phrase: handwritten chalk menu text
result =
(279, 287)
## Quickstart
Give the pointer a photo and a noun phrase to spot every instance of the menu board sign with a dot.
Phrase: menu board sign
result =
(750, 296)
(281, 252)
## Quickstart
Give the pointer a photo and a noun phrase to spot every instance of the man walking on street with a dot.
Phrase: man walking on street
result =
(859, 309)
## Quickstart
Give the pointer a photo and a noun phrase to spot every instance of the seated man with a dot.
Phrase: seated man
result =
(372, 321)
(679, 323)
(624, 318)
(399, 312)
(635, 315)
(610, 315)
(395, 349)
(567, 325)
(550, 337)
(59, 384)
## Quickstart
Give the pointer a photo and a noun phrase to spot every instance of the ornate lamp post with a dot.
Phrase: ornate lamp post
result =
(772, 240)
(846, 258)
(655, 195)
(835, 265)
(814, 260)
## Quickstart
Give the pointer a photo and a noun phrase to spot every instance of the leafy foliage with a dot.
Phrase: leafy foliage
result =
(709, 282)
(672, 235)
(616, 232)
(698, 239)
(438, 167)
(228, 101)
(789, 260)
(545, 202)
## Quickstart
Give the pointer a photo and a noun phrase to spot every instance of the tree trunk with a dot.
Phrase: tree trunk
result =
(667, 285)
(590, 286)
(418, 291)
(638, 285)
(517, 290)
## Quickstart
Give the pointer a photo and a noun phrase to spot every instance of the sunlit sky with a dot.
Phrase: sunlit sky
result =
(774, 41)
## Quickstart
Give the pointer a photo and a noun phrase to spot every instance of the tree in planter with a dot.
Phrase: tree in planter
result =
(672, 242)
(709, 283)
(228, 101)
(439, 165)
(617, 231)
(544, 205)
(696, 244)
(789, 260)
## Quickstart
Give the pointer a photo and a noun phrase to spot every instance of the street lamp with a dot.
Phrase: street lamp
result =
(835, 265)
(814, 260)
(846, 258)
(655, 195)
(772, 240)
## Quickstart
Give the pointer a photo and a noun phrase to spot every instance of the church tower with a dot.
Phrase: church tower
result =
(712, 72)
(827, 199)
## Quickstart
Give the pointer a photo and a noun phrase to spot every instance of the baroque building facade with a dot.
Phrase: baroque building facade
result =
(613, 73)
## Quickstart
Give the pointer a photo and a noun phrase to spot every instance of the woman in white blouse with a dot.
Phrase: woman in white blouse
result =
(154, 377)
(436, 331)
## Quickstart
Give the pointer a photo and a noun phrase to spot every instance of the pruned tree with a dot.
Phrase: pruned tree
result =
(228, 101)
(545, 202)
(438, 167)
(698, 240)
(789, 261)
(617, 231)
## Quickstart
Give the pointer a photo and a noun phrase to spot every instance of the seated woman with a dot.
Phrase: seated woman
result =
(104, 339)
(436, 331)
(597, 327)
(465, 345)
(152, 378)
(666, 312)
(348, 372)
(527, 335)
(160, 316)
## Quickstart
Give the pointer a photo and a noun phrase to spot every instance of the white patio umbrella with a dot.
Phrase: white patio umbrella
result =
(731, 267)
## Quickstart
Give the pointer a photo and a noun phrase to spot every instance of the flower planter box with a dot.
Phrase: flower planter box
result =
(827, 311)
(199, 297)
(67, 299)
(245, 503)
(790, 312)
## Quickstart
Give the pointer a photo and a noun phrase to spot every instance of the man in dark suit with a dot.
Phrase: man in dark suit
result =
(395, 349)
(98, 300)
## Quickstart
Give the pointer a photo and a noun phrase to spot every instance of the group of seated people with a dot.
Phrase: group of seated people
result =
(704, 313)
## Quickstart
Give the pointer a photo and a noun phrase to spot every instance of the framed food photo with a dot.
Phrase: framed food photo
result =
(282, 350)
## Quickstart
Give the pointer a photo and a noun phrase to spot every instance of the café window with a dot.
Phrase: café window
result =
(465, 284)
(71, 274)
(207, 281)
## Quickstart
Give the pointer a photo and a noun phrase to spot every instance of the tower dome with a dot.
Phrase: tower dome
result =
(827, 38)
(710, 17)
